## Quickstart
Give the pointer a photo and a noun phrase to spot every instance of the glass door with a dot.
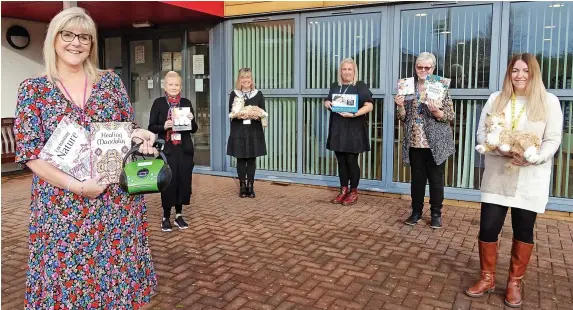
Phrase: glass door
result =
(144, 89)
(197, 85)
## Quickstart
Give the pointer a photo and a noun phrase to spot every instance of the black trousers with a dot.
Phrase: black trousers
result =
(348, 169)
(246, 168)
(491, 222)
(178, 193)
(424, 169)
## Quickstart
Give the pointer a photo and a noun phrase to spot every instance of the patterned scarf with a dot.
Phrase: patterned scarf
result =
(173, 103)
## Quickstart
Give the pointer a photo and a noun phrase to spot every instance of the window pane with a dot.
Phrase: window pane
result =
(318, 160)
(280, 136)
(561, 184)
(545, 29)
(329, 40)
(268, 49)
(459, 37)
(464, 169)
(198, 91)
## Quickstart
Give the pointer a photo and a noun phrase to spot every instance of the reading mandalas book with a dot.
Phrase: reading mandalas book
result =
(68, 149)
(109, 144)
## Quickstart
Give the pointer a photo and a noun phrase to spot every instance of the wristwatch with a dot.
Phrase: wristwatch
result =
(353, 114)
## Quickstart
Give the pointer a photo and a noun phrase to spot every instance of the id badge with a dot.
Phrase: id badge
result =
(246, 122)
(176, 136)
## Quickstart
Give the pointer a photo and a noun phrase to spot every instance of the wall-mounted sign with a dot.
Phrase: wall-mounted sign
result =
(177, 61)
(166, 61)
(139, 54)
(198, 64)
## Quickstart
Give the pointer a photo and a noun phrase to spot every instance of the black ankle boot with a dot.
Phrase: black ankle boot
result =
(250, 189)
(243, 190)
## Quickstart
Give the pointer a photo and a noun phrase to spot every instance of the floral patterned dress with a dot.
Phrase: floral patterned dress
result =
(84, 253)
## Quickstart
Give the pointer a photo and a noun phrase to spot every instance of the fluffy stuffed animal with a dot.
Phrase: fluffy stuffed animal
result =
(497, 136)
(240, 111)
(238, 104)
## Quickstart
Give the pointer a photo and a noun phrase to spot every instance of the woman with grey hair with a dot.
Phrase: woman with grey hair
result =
(428, 142)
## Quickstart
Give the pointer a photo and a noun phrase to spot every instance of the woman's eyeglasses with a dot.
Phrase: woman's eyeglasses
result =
(423, 68)
(69, 36)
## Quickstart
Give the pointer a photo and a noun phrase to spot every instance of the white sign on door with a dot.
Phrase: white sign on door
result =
(198, 64)
(139, 54)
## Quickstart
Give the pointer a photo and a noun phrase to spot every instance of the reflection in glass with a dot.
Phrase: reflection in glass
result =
(545, 29)
(318, 160)
(329, 40)
(464, 169)
(280, 136)
(459, 37)
(268, 49)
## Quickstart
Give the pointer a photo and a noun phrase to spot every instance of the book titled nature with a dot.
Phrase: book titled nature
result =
(68, 149)
(110, 142)
(436, 88)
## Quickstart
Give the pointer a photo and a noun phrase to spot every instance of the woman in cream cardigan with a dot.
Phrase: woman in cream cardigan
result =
(528, 107)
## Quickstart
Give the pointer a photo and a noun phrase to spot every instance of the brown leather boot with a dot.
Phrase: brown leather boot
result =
(341, 195)
(487, 261)
(351, 198)
(520, 254)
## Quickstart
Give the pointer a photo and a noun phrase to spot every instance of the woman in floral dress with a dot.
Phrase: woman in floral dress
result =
(88, 243)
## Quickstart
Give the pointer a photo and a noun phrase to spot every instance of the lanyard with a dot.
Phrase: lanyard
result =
(344, 90)
(514, 121)
(246, 95)
(83, 107)
(85, 92)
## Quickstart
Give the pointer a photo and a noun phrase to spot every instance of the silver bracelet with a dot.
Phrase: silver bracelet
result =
(69, 183)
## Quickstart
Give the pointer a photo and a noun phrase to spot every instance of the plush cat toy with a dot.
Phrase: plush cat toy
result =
(240, 111)
(497, 136)
(238, 104)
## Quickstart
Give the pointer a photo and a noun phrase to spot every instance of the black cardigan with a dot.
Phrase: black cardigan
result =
(158, 117)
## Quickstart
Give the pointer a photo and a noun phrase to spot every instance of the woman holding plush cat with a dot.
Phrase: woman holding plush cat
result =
(428, 142)
(247, 138)
(179, 148)
(525, 106)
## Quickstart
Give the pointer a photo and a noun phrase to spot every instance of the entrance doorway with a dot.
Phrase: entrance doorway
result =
(143, 61)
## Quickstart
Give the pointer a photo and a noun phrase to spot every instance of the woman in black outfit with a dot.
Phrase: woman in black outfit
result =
(247, 138)
(348, 132)
(179, 149)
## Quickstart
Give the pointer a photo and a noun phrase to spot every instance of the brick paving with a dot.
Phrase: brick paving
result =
(290, 249)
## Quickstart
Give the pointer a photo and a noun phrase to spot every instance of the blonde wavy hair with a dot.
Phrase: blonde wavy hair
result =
(243, 72)
(74, 17)
(353, 63)
(535, 90)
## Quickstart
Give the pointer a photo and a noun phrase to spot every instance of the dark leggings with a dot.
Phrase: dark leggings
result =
(492, 218)
(348, 169)
(167, 210)
(246, 168)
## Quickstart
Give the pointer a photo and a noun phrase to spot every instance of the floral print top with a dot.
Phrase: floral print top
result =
(418, 137)
(84, 253)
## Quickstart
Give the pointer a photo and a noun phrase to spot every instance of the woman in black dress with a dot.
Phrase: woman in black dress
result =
(247, 138)
(348, 132)
(179, 149)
